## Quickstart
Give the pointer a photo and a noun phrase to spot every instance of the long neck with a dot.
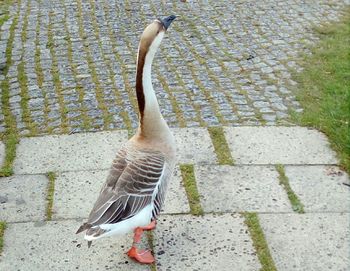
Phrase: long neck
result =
(151, 120)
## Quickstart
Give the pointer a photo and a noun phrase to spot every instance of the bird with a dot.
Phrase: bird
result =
(134, 192)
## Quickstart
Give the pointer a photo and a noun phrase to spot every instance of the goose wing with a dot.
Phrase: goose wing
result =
(134, 181)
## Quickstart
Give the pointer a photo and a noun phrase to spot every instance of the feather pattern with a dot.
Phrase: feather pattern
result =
(137, 178)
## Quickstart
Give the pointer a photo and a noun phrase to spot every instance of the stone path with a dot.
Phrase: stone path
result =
(316, 240)
(72, 63)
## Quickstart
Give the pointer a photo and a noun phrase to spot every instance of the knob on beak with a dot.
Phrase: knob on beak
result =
(168, 20)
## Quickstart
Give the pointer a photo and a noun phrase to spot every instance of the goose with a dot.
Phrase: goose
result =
(134, 192)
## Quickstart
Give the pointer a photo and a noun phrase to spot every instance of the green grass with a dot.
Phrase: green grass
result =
(10, 140)
(50, 194)
(189, 181)
(220, 145)
(2, 231)
(324, 88)
(259, 242)
(297, 206)
(150, 240)
(10, 137)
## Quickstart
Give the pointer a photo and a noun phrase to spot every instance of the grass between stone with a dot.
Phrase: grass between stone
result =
(297, 206)
(189, 181)
(150, 239)
(50, 194)
(259, 242)
(2, 231)
(10, 137)
(324, 87)
(220, 145)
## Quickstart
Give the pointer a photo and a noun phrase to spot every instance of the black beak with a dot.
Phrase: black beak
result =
(168, 20)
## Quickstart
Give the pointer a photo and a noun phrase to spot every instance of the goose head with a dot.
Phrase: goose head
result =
(153, 34)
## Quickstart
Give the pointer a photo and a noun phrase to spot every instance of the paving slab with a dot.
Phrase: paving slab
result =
(279, 145)
(2, 153)
(23, 198)
(308, 242)
(320, 188)
(210, 242)
(54, 246)
(241, 189)
(194, 146)
(68, 152)
(76, 193)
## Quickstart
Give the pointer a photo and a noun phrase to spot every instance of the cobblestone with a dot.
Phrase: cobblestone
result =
(219, 64)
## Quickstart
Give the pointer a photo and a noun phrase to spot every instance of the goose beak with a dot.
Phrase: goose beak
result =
(167, 21)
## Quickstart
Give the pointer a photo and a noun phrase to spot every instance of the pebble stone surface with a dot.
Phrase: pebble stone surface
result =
(73, 62)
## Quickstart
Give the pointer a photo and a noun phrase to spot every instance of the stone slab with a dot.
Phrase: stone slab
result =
(320, 188)
(279, 145)
(54, 246)
(241, 189)
(2, 153)
(211, 242)
(84, 151)
(76, 193)
(309, 242)
(23, 198)
(194, 146)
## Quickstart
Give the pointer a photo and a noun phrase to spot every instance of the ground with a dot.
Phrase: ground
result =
(257, 192)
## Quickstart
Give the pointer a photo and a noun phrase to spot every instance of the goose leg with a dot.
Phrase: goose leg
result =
(150, 226)
(141, 255)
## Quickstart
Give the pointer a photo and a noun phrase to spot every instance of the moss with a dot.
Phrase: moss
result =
(11, 141)
(79, 88)
(2, 232)
(22, 79)
(56, 77)
(259, 242)
(150, 239)
(10, 136)
(50, 194)
(189, 182)
(293, 198)
(221, 147)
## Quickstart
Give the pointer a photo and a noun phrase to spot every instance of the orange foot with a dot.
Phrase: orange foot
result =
(142, 256)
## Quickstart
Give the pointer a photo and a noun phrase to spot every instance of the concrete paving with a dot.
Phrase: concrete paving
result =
(313, 242)
(212, 242)
(68, 152)
(194, 146)
(217, 240)
(240, 189)
(54, 246)
(320, 188)
(23, 198)
(279, 145)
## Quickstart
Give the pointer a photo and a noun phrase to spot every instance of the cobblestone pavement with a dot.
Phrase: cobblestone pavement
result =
(219, 239)
(72, 63)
